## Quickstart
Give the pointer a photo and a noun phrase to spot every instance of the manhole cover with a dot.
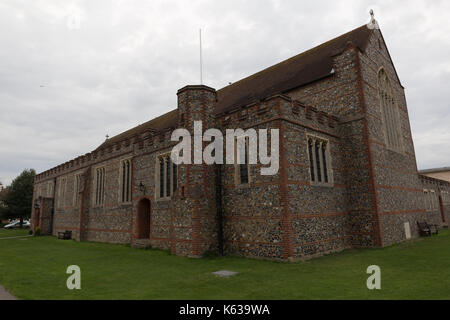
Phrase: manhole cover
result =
(225, 273)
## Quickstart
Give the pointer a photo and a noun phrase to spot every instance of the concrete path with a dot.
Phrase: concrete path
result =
(5, 295)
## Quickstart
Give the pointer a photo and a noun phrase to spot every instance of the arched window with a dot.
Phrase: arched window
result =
(62, 193)
(166, 178)
(77, 188)
(125, 183)
(391, 118)
(99, 186)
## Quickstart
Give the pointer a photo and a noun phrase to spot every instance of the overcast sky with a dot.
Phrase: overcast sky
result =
(73, 71)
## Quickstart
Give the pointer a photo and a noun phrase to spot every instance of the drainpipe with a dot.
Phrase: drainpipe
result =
(219, 206)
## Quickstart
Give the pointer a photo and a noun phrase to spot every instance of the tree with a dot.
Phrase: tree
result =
(17, 201)
(3, 192)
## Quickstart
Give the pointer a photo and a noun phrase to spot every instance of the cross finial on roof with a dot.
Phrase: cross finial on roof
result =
(373, 24)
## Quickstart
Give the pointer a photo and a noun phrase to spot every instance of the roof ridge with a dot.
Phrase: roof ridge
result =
(143, 126)
(309, 52)
(292, 58)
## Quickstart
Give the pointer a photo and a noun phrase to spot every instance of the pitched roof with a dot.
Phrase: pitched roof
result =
(435, 170)
(299, 70)
(167, 120)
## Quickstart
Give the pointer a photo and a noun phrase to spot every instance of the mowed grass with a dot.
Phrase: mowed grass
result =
(6, 233)
(35, 268)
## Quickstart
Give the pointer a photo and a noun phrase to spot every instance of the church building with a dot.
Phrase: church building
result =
(347, 173)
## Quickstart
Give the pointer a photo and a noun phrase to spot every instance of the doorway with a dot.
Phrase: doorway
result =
(143, 219)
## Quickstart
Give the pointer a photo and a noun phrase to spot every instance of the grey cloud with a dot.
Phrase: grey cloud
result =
(73, 71)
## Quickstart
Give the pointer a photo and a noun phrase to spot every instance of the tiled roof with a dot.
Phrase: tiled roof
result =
(165, 121)
(299, 70)
(436, 170)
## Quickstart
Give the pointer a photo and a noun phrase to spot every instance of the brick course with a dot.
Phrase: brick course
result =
(374, 191)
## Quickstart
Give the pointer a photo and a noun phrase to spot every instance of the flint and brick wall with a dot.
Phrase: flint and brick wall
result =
(374, 190)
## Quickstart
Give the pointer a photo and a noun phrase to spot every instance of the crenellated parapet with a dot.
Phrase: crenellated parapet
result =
(426, 180)
(276, 107)
(279, 107)
(150, 139)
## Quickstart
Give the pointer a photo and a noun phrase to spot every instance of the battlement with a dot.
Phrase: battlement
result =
(283, 107)
(156, 139)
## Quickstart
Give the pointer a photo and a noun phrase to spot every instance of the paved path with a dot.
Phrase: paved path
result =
(5, 295)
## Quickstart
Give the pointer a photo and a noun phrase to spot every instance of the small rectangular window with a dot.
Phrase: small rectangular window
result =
(244, 173)
(318, 166)
(161, 178)
(324, 161)
(242, 166)
(168, 184)
(311, 161)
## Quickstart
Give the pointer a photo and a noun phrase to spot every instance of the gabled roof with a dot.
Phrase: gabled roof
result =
(299, 70)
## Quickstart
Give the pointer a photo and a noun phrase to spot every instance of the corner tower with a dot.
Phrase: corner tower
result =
(195, 205)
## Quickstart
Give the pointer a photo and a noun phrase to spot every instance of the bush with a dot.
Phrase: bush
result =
(37, 231)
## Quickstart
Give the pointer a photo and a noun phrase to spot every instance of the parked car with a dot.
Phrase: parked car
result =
(16, 224)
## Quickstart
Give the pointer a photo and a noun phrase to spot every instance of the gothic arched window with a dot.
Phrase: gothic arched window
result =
(391, 118)
(166, 177)
(125, 183)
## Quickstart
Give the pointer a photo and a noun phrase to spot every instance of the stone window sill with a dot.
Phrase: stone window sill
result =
(163, 199)
(325, 185)
(125, 204)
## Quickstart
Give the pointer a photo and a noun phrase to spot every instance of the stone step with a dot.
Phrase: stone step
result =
(141, 244)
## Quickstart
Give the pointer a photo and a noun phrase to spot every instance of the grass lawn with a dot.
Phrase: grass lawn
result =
(6, 233)
(35, 268)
